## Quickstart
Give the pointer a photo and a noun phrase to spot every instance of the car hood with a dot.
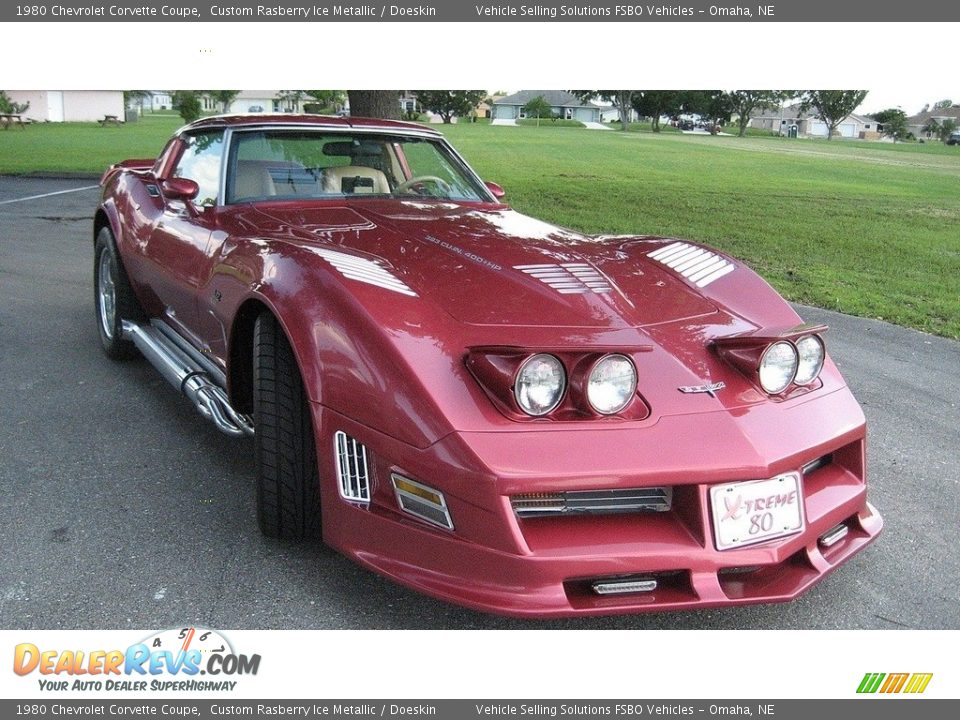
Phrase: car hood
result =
(494, 266)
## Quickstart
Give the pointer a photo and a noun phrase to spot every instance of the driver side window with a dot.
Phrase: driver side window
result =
(200, 161)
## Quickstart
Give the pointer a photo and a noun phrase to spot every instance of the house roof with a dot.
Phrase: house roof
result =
(556, 98)
(923, 118)
(793, 112)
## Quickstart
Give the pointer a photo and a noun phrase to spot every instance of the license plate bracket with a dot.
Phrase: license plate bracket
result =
(756, 511)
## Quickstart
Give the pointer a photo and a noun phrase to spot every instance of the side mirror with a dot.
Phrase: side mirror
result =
(178, 188)
(498, 192)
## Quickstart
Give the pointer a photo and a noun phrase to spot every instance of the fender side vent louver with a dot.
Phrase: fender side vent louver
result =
(353, 476)
(699, 266)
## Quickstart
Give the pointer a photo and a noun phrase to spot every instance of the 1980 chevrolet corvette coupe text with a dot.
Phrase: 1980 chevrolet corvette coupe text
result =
(484, 407)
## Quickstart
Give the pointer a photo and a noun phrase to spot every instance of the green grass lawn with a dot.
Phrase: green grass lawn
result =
(83, 147)
(869, 229)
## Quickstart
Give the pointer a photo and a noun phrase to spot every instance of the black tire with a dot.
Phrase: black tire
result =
(125, 303)
(288, 480)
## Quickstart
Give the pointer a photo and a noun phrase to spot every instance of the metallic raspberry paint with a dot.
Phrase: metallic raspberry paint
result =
(407, 377)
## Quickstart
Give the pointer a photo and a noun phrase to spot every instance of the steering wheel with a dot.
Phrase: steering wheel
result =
(412, 183)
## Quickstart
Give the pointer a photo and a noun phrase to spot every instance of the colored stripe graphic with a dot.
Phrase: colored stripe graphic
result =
(870, 682)
(894, 683)
(918, 683)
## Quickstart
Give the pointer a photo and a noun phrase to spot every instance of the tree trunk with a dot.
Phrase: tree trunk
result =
(375, 103)
(625, 106)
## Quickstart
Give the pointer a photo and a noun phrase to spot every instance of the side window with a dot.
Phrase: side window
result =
(200, 162)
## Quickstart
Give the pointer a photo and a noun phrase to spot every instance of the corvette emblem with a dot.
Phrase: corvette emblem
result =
(710, 388)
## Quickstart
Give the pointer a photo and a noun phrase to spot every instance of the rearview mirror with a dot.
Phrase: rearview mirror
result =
(178, 188)
(498, 192)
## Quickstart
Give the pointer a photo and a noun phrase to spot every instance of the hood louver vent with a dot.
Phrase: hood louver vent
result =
(699, 266)
(353, 476)
(365, 271)
(568, 278)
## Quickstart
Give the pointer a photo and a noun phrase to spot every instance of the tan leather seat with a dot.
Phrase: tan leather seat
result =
(341, 180)
(252, 180)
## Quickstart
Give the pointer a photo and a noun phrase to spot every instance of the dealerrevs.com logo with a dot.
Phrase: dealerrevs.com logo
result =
(169, 660)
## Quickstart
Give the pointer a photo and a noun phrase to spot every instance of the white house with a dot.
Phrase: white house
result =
(561, 102)
(790, 121)
(69, 105)
(917, 123)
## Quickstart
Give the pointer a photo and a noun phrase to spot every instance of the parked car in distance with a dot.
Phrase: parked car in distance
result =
(482, 406)
(954, 138)
(255, 109)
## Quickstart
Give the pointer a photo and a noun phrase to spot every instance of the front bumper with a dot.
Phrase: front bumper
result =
(545, 567)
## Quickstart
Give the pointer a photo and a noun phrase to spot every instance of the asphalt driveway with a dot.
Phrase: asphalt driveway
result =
(121, 507)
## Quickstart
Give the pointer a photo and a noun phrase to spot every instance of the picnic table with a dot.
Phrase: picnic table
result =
(9, 119)
(109, 120)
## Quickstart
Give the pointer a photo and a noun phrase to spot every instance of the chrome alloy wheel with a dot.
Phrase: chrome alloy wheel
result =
(107, 294)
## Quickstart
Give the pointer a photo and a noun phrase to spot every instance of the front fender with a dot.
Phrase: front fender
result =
(358, 348)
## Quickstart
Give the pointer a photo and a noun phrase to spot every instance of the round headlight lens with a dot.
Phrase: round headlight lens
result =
(778, 366)
(810, 349)
(612, 383)
(540, 384)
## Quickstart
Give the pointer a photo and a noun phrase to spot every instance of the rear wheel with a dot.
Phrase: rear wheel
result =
(113, 298)
(288, 481)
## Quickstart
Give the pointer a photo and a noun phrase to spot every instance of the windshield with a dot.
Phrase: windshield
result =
(296, 164)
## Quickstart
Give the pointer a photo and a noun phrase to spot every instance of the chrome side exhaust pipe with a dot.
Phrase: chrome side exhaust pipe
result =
(188, 371)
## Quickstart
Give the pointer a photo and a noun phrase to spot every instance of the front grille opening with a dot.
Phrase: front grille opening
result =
(818, 464)
(353, 474)
(745, 583)
(593, 502)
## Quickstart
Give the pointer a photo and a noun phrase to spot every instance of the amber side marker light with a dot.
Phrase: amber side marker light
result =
(421, 501)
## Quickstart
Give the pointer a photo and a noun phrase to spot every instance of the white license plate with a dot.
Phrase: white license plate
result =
(745, 513)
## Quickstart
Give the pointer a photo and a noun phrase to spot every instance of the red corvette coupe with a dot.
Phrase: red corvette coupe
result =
(484, 407)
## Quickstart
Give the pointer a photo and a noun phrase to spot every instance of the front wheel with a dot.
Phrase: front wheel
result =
(113, 298)
(288, 481)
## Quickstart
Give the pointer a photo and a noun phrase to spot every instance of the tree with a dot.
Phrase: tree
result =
(375, 103)
(832, 106)
(947, 128)
(538, 107)
(655, 104)
(224, 97)
(713, 105)
(9, 107)
(744, 103)
(135, 97)
(328, 99)
(290, 99)
(932, 128)
(943, 104)
(622, 100)
(187, 103)
(449, 103)
(892, 123)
